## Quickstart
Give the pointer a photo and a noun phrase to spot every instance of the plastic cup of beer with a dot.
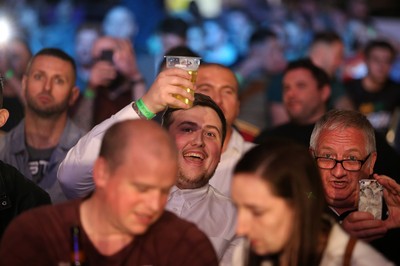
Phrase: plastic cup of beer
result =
(191, 65)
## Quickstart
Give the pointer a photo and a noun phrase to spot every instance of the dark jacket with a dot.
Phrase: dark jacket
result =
(17, 194)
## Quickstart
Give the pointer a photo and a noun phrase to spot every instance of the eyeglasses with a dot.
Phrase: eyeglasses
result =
(347, 164)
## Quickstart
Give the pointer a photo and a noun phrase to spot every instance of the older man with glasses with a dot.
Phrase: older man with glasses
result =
(343, 145)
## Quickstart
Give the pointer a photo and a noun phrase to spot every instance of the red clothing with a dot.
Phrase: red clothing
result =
(42, 237)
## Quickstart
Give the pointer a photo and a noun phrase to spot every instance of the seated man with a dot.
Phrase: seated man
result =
(123, 222)
(343, 144)
(38, 144)
(199, 133)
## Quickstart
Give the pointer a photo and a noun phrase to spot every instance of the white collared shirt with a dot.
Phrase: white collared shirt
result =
(222, 177)
(212, 212)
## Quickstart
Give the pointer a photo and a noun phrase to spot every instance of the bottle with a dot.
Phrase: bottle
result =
(77, 253)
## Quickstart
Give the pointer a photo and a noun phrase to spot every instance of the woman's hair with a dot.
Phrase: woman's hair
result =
(291, 173)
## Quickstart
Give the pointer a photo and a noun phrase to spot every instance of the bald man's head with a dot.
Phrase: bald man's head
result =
(142, 139)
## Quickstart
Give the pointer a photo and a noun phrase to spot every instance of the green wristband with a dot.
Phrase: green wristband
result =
(89, 94)
(9, 74)
(144, 110)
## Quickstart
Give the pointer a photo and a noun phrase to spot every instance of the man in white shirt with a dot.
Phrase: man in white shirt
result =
(199, 134)
(220, 83)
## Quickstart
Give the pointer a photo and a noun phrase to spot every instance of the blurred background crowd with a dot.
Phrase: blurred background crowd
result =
(229, 32)
(218, 30)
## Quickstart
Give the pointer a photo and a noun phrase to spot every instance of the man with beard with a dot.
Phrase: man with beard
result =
(40, 142)
(199, 133)
(305, 91)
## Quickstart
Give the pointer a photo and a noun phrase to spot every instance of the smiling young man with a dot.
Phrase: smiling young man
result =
(199, 133)
(123, 222)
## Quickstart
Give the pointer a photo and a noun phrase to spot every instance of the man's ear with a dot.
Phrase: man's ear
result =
(4, 114)
(74, 95)
(23, 85)
(326, 93)
(373, 158)
(101, 172)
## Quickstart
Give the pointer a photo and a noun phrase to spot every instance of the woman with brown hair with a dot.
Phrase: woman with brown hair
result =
(281, 211)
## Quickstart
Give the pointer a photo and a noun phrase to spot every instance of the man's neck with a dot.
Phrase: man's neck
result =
(43, 133)
(102, 234)
(229, 131)
(311, 120)
(371, 85)
(340, 211)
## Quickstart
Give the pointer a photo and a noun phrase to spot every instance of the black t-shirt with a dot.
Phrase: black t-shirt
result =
(38, 161)
(377, 106)
(298, 133)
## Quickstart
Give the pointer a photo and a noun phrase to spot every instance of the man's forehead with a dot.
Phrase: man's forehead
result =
(192, 115)
(38, 63)
(299, 72)
(210, 70)
(208, 75)
(352, 135)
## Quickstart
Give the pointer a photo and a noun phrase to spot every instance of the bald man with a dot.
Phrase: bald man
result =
(123, 221)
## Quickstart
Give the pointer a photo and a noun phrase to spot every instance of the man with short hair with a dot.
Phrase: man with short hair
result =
(199, 133)
(261, 74)
(376, 95)
(306, 90)
(40, 142)
(123, 222)
(327, 52)
(343, 144)
(220, 83)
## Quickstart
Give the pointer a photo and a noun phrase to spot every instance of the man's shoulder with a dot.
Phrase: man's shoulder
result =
(12, 135)
(72, 133)
(49, 215)
(17, 186)
(278, 131)
(171, 237)
(221, 203)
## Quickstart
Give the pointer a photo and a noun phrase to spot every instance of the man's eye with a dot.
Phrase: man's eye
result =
(229, 92)
(258, 213)
(59, 81)
(141, 188)
(352, 158)
(37, 76)
(204, 90)
(186, 129)
(211, 134)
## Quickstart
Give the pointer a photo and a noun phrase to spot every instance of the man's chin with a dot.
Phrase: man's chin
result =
(191, 183)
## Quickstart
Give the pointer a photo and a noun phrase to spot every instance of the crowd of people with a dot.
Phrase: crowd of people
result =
(102, 164)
